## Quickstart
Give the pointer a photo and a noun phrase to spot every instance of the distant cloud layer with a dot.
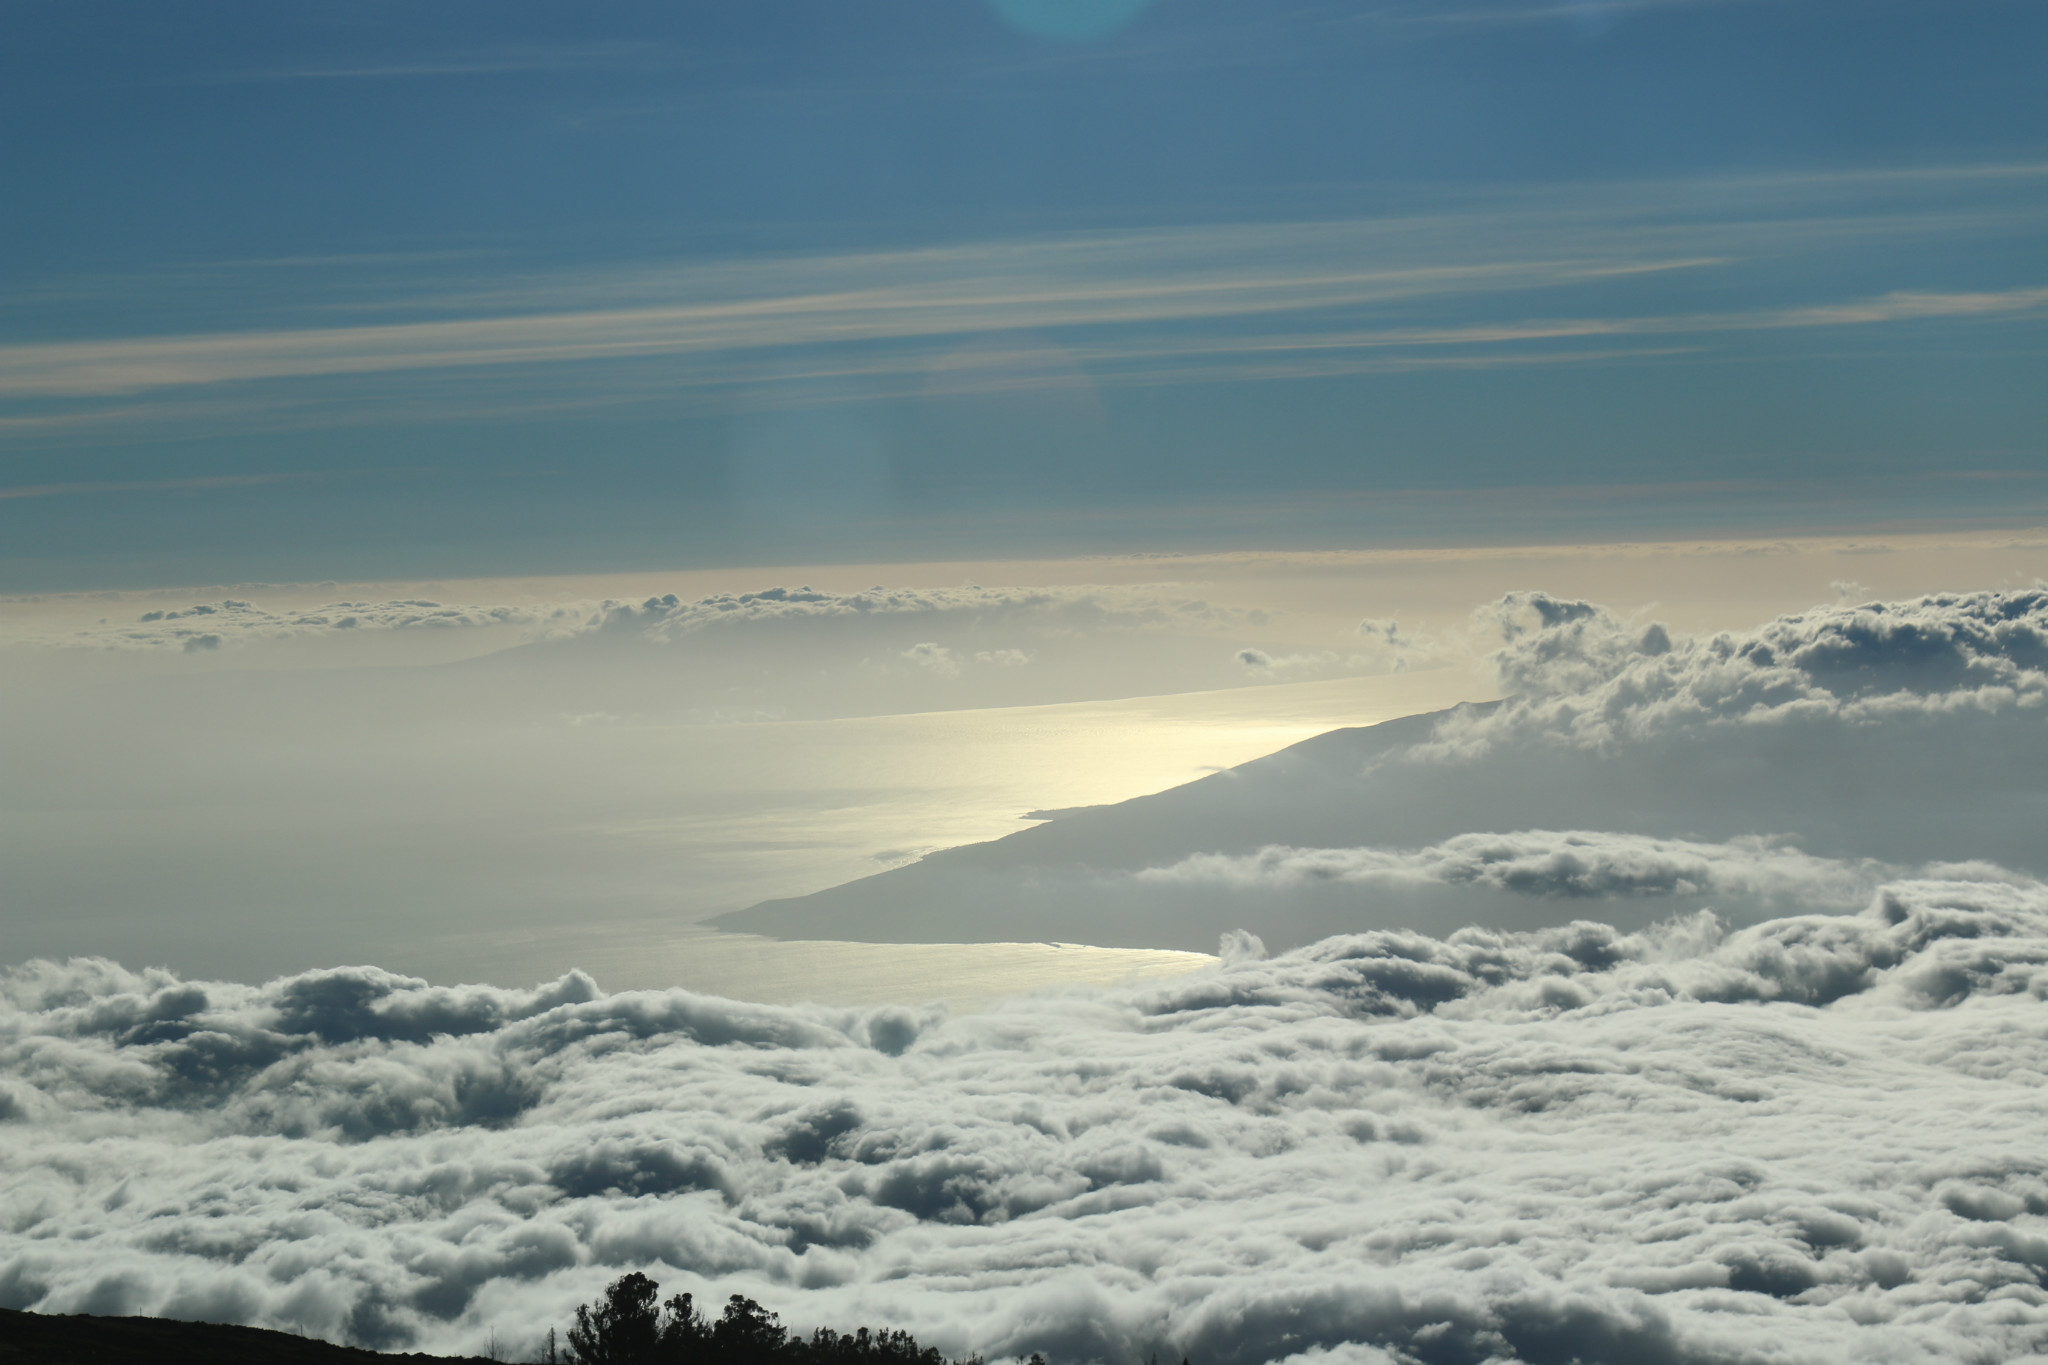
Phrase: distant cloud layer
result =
(781, 652)
(656, 619)
(668, 617)
(1817, 1139)
(233, 621)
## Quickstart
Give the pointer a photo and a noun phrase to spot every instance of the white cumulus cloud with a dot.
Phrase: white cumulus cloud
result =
(1578, 673)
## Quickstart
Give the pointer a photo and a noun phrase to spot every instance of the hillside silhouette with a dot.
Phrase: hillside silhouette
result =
(78, 1339)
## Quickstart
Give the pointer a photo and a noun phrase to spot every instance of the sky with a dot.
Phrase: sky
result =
(1353, 684)
(361, 290)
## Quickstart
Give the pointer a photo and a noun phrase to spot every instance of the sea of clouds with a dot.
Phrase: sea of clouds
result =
(1815, 1139)
(1811, 1132)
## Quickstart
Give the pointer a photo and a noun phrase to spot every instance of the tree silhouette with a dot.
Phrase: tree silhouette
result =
(748, 1334)
(685, 1336)
(862, 1347)
(624, 1327)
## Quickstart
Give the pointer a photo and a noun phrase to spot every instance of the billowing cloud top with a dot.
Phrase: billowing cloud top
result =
(1573, 670)
(1816, 1139)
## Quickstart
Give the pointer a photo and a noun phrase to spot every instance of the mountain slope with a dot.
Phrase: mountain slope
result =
(1628, 777)
(1051, 882)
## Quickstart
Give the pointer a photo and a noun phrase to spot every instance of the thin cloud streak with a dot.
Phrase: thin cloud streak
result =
(80, 369)
(1161, 303)
(1899, 306)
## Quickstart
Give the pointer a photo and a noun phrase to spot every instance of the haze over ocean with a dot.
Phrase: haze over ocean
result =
(1335, 683)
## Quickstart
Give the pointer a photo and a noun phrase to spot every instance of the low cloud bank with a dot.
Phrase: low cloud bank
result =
(804, 652)
(1814, 1139)
(231, 622)
(779, 653)
(662, 619)
(1571, 864)
(669, 617)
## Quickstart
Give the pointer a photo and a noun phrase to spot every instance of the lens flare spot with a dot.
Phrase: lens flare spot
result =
(1069, 21)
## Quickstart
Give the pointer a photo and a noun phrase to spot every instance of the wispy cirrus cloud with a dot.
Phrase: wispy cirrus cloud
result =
(960, 306)
(1479, 345)
(86, 369)
(1427, 288)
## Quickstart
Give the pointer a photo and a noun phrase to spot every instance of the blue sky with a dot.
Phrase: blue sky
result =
(369, 289)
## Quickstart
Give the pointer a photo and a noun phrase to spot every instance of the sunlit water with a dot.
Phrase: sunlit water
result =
(811, 805)
(250, 840)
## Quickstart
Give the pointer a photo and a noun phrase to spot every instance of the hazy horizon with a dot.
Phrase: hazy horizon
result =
(511, 779)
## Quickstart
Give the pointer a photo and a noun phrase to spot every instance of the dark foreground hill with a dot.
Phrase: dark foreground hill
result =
(52, 1339)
